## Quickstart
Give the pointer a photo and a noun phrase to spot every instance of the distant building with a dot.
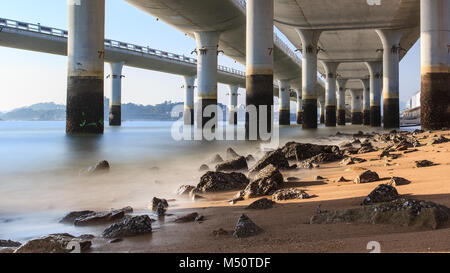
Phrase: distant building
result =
(412, 110)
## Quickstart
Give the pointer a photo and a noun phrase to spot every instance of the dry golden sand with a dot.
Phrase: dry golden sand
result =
(286, 226)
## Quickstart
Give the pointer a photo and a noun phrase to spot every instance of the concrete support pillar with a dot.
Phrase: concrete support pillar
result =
(357, 106)
(285, 103)
(259, 63)
(299, 106)
(375, 73)
(115, 104)
(309, 38)
(391, 48)
(232, 107)
(366, 101)
(85, 48)
(341, 101)
(188, 115)
(435, 64)
(322, 110)
(207, 49)
(330, 93)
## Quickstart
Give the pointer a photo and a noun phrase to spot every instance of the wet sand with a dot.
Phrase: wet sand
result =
(286, 226)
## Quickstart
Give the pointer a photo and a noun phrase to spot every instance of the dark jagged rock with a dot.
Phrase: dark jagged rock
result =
(265, 182)
(438, 140)
(195, 196)
(130, 226)
(346, 145)
(424, 163)
(203, 168)
(71, 216)
(100, 167)
(402, 211)
(156, 201)
(220, 232)
(367, 176)
(187, 218)
(54, 243)
(318, 177)
(342, 179)
(9, 243)
(382, 193)
(263, 203)
(398, 181)
(245, 227)
(161, 209)
(250, 158)
(185, 189)
(321, 158)
(292, 179)
(235, 164)
(276, 158)
(219, 181)
(231, 154)
(116, 240)
(351, 160)
(103, 217)
(216, 159)
(289, 194)
(301, 151)
(366, 149)
(308, 165)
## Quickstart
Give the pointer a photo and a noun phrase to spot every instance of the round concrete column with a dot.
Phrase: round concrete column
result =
(375, 72)
(341, 101)
(285, 103)
(357, 106)
(85, 49)
(115, 104)
(207, 49)
(232, 107)
(309, 38)
(391, 48)
(188, 115)
(259, 67)
(330, 93)
(299, 106)
(322, 110)
(366, 101)
(435, 64)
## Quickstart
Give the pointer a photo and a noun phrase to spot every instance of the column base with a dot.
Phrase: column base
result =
(188, 116)
(299, 117)
(201, 118)
(330, 116)
(259, 92)
(284, 117)
(391, 113)
(357, 118)
(375, 116)
(435, 101)
(232, 118)
(366, 117)
(115, 115)
(322, 119)
(85, 111)
(309, 114)
(341, 117)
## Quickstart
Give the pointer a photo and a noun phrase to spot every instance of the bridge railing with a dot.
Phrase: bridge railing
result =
(112, 44)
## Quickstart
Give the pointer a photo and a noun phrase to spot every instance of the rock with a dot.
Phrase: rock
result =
(156, 201)
(342, 179)
(231, 154)
(382, 193)
(130, 226)
(398, 181)
(103, 217)
(293, 179)
(250, 158)
(161, 209)
(86, 236)
(245, 227)
(220, 232)
(263, 203)
(195, 196)
(235, 164)
(187, 218)
(351, 160)
(219, 181)
(116, 240)
(288, 194)
(346, 145)
(424, 163)
(185, 189)
(302, 151)
(385, 153)
(318, 177)
(366, 149)
(367, 176)
(402, 211)
(321, 158)
(308, 165)
(203, 167)
(356, 141)
(275, 158)
(438, 140)
(7, 250)
(70, 217)
(100, 167)
(199, 218)
(54, 243)
(9, 243)
(216, 159)
(265, 182)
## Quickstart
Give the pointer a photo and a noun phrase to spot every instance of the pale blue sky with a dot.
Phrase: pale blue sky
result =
(30, 77)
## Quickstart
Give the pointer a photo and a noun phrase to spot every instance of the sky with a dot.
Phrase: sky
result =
(28, 77)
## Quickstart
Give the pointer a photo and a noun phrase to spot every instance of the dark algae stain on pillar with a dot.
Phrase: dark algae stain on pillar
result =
(391, 118)
(330, 116)
(435, 101)
(309, 113)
